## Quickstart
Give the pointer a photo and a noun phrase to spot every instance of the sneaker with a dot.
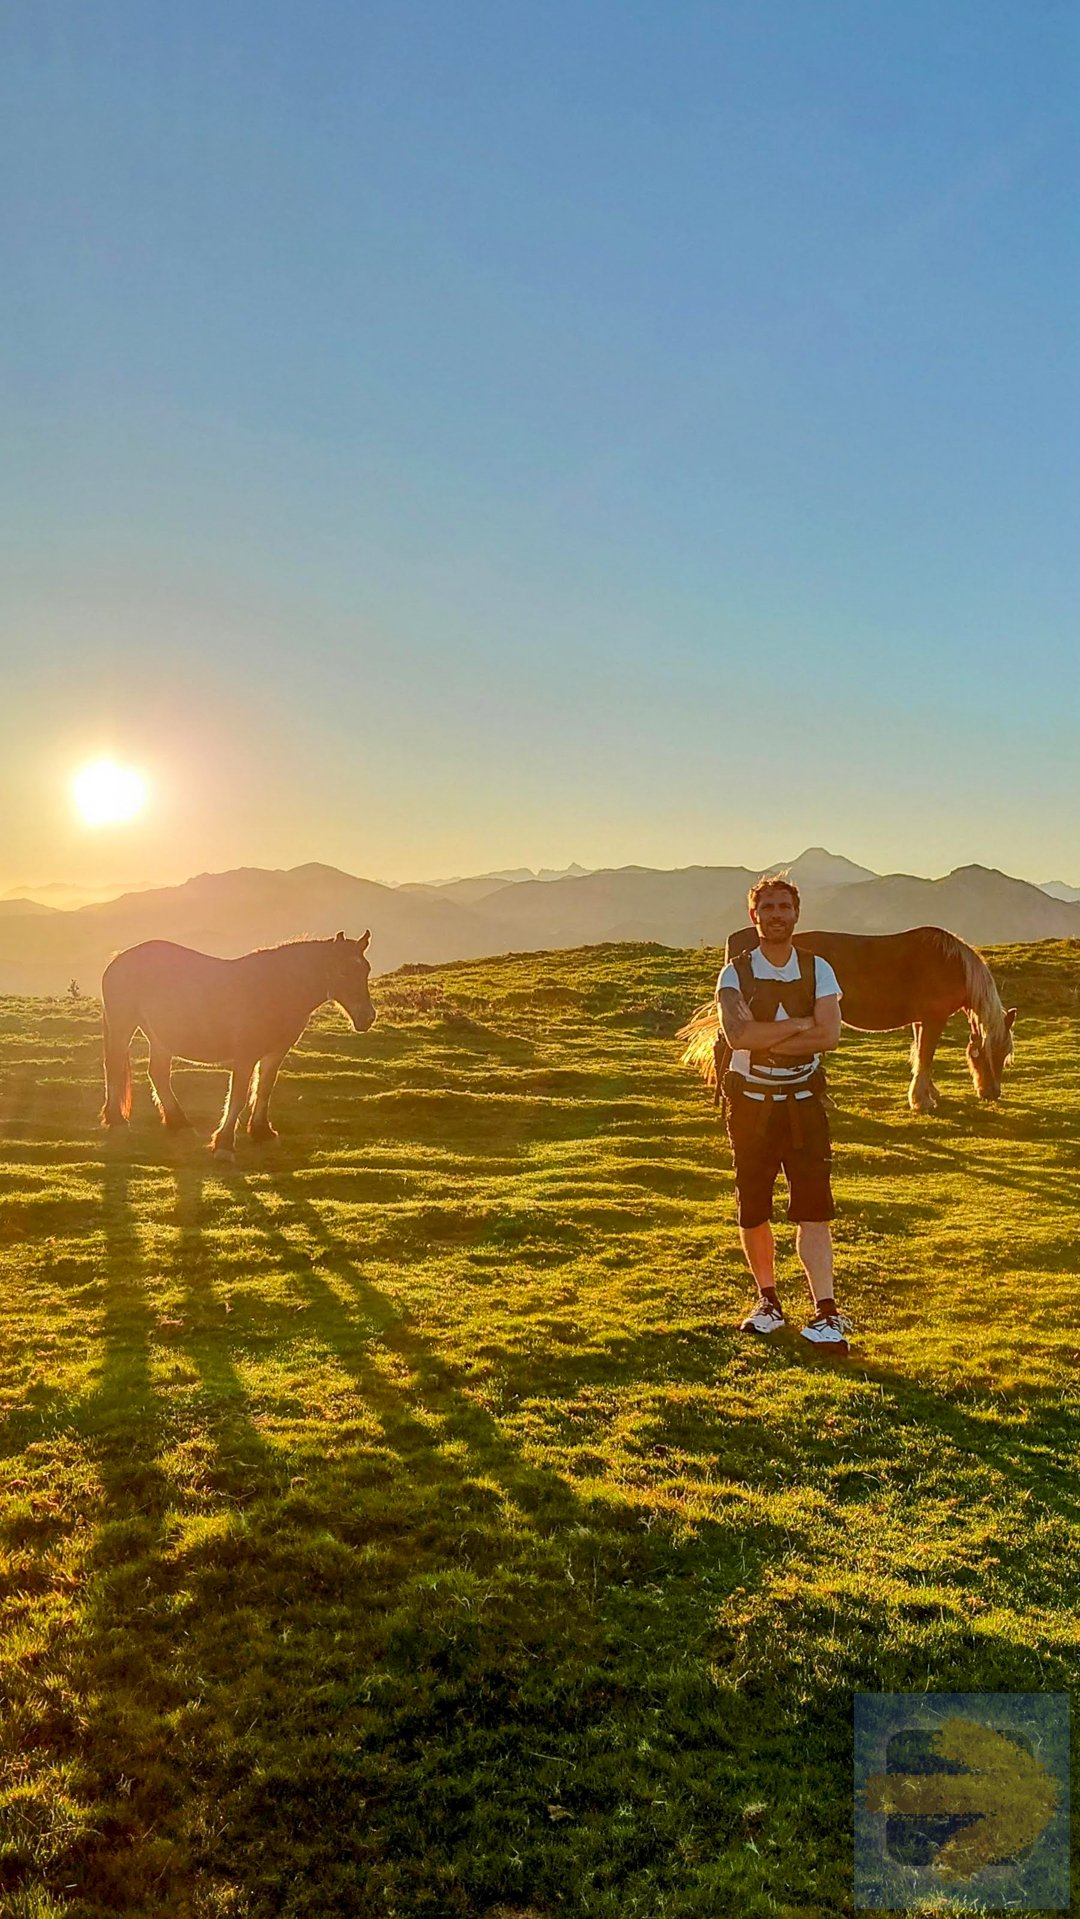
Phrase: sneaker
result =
(765, 1318)
(828, 1331)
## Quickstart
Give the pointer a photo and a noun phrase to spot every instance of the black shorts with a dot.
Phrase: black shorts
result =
(762, 1143)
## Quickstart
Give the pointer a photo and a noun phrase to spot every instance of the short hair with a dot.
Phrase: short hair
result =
(762, 886)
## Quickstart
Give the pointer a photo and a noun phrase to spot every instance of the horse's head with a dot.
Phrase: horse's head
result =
(347, 983)
(988, 1054)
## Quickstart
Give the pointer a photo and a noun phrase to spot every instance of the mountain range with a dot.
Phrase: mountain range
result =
(43, 948)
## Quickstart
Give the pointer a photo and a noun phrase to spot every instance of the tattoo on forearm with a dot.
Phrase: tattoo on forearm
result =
(806, 1041)
(735, 1015)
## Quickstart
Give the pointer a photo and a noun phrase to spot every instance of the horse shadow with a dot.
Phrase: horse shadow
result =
(297, 1649)
(267, 1647)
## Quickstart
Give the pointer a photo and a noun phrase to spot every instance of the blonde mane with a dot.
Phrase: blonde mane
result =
(981, 997)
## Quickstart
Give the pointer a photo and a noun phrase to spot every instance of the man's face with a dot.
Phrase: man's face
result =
(775, 914)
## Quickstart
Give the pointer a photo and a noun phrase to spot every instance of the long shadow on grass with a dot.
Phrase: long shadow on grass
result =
(465, 1431)
(393, 1665)
(1038, 1459)
(946, 1146)
(120, 1675)
(370, 1666)
(790, 1678)
(244, 1465)
(151, 1674)
(1035, 1457)
(540, 1649)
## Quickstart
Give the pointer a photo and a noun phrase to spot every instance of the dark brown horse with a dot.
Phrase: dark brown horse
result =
(241, 1013)
(919, 978)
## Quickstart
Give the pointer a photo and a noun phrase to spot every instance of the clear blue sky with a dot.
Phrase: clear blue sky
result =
(450, 435)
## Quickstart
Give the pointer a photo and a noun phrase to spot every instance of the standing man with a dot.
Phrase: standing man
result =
(779, 1011)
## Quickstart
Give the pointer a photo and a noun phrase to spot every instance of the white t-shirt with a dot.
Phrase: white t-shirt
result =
(825, 986)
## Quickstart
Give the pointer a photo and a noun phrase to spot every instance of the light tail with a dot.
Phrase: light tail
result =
(700, 1033)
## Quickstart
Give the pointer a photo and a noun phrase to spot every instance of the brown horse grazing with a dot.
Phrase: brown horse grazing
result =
(895, 979)
(242, 1013)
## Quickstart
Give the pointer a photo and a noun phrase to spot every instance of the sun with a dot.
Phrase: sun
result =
(107, 794)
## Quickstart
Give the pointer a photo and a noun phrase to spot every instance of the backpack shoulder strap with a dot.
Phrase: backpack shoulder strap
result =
(808, 969)
(745, 971)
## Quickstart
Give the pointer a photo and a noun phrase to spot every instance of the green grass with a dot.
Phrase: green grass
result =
(396, 1525)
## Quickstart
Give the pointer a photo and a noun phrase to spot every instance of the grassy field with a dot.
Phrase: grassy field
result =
(396, 1524)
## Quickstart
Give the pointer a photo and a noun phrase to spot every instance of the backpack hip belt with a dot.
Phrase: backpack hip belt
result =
(736, 1086)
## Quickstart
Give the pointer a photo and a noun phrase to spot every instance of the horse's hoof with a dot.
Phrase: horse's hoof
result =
(221, 1151)
(261, 1135)
(922, 1097)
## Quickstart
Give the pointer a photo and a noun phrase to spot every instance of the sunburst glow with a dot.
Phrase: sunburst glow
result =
(107, 794)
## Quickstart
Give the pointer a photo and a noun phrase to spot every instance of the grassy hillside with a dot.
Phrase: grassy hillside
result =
(396, 1524)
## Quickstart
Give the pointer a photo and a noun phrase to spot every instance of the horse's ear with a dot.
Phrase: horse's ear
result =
(363, 942)
(339, 936)
(1010, 1019)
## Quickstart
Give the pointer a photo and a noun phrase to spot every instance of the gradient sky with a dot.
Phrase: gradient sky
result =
(478, 433)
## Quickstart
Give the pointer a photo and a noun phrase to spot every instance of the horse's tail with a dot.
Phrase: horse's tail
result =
(700, 1033)
(117, 1059)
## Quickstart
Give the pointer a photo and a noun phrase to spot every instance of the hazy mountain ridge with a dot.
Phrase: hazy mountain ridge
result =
(230, 913)
(980, 903)
(60, 896)
(508, 876)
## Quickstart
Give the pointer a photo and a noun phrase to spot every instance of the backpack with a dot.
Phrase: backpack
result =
(764, 997)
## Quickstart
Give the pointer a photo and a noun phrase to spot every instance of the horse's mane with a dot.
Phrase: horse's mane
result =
(981, 996)
(298, 939)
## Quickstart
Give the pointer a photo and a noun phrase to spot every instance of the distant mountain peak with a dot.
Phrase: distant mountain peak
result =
(818, 867)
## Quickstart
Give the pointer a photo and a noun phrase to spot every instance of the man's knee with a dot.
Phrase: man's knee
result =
(754, 1186)
(753, 1216)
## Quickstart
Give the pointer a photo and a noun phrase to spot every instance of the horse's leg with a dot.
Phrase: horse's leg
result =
(224, 1140)
(118, 1031)
(923, 1095)
(259, 1124)
(172, 1113)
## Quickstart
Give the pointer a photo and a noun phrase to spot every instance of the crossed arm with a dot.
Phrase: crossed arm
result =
(787, 1037)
